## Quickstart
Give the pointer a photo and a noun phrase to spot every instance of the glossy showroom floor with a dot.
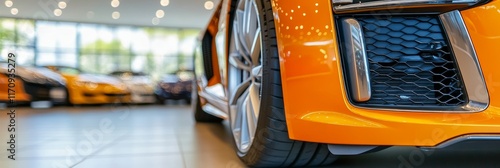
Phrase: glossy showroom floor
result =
(157, 136)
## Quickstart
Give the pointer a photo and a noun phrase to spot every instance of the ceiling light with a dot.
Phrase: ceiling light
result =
(62, 4)
(8, 3)
(160, 13)
(115, 3)
(14, 11)
(90, 14)
(209, 5)
(155, 21)
(164, 2)
(57, 12)
(115, 15)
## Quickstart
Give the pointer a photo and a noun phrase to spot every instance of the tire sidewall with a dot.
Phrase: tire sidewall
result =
(263, 123)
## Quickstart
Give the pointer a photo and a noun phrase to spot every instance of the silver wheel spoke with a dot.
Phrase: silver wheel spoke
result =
(244, 133)
(255, 49)
(240, 89)
(241, 33)
(250, 117)
(234, 59)
(254, 98)
(250, 28)
(232, 122)
(241, 50)
(257, 72)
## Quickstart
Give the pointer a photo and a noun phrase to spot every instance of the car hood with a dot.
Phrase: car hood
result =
(99, 79)
(136, 80)
(36, 75)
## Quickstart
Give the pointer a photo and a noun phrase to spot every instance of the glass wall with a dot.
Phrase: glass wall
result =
(17, 36)
(97, 48)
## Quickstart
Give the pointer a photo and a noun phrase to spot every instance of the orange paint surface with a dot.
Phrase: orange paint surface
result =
(20, 94)
(316, 106)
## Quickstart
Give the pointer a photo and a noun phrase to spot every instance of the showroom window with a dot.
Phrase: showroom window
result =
(56, 43)
(17, 36)
(98, 48)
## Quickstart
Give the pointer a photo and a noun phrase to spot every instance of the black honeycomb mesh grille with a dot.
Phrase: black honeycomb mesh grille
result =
(410, 62)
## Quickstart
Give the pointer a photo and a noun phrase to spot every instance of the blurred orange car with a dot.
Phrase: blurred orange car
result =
(85, 88)
(37, 86)
(302, 82)
(18, 89)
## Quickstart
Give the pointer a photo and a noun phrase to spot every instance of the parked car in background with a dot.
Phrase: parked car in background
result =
(85, 88)
(37, 86)
(176, 86)
(140, 85)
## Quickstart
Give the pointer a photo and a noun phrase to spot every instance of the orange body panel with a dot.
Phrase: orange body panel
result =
(20, 95)
(100, 92)
(213, 29)
(316, 105)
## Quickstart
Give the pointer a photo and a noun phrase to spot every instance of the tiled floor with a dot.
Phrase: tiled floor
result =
(166, 136)
(133, 136)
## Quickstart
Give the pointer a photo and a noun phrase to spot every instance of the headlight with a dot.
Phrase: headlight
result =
(87, 84)
(165, 86)
(350, 6)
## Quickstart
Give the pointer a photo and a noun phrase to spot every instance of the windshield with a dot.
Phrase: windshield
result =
(65, 70)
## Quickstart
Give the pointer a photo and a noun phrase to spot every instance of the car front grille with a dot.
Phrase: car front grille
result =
(410, 62)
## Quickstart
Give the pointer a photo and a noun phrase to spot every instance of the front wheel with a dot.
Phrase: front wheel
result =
(257, 118)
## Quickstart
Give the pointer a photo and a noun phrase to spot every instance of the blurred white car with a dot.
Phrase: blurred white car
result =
(140, 85)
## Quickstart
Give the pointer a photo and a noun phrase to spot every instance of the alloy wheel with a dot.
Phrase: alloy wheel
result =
(245, 74)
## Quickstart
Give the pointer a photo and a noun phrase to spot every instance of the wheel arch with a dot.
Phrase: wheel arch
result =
(310, 69)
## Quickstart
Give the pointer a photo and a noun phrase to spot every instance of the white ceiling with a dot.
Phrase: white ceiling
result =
(179, 13)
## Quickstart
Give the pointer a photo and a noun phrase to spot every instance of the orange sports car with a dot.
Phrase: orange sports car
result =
(39, 87)
(303, 82)
(87, 88)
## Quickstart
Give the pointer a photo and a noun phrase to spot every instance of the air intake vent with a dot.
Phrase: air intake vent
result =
(410, 62)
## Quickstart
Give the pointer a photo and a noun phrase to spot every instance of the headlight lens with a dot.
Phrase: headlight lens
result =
(87, 84)
(350, 6)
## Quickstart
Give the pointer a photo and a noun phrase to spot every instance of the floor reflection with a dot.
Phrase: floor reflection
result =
(157, 136)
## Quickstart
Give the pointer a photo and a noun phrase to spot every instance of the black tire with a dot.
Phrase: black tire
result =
(271, 146)
(188, 100)
(68, 101)
(159, 100)
(199, 114)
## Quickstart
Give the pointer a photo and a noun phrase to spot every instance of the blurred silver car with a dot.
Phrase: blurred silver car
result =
(176, 86)
(140, 85)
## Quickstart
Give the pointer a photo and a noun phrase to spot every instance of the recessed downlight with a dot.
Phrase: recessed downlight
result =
(155, 21)
(160, 13)
(115, 15)
(14, 11)
(90, 14)
(164, 2)
(115, 3)
(62, 4)
(209, 5)
(9, 3)
(57, 12)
